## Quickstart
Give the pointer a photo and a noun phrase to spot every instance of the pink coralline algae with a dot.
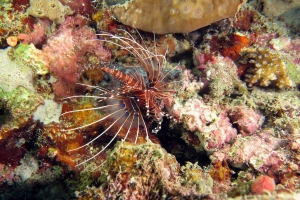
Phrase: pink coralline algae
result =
(262, 152)
(248, 121)
(71, 50)
(38, 36)
(191, 84)
(211, 125)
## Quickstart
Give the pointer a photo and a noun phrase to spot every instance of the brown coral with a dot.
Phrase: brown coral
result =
(175, 16)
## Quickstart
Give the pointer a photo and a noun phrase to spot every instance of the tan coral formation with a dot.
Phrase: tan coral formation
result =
(174, 16)
(52, 9)
(269, 68)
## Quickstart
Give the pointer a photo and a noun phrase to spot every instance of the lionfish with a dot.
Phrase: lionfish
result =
(138, 98)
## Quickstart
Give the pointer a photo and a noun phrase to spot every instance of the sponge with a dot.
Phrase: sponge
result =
(51, 9)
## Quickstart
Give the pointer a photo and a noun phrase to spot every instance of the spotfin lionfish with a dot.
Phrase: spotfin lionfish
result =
(139, 98)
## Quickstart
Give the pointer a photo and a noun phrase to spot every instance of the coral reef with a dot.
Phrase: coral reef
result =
(174, 16)
(191, 85)
(17, 107)
(281, 109)
(217, 61)
(29, 165)
(36, 174)
(256, 150)
(222, 77)
(237, 42)
(289, 49)
(247, 121)
(51, 9)
(269, 69)
(37, 36)
(275, 9)
(18, 92)
(55, 145)
(32, 57)
(70, 51)
(19, 98)
(13, 20)
(248, 18)
(49, 112)
(210, 114)
(21, 102)
(148, 171)
(82, 7)
(211, 125)
(265, 154)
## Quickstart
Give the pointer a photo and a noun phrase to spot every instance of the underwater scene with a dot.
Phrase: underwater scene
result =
(150, 99)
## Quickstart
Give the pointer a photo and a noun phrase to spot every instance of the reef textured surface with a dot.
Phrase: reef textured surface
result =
(140, 99)
(173, 16)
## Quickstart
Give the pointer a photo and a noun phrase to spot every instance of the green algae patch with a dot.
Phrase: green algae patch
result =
(21, 103)
(32, 57)
(293, 71)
